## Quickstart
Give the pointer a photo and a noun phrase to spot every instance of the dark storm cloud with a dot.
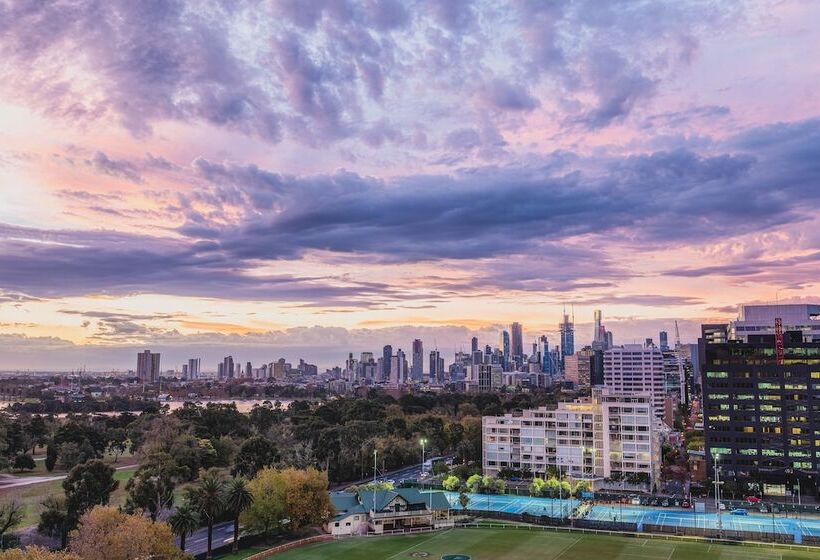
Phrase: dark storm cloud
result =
(523, 214)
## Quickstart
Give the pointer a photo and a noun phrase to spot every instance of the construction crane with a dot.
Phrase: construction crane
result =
(684, 395)
(778, 340)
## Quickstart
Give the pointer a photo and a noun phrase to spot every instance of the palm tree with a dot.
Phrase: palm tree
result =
(208, 498)
(184, 521)
(238, 499)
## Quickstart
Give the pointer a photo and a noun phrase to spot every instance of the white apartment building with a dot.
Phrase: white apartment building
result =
(632, 369)
(591, 439)
(759, 319)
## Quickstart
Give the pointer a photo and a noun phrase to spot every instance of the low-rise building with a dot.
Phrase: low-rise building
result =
(387, 510)
(603, 437)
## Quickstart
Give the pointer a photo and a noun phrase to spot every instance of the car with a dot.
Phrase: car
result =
(721, 506)
(686, 505)
(752, 499)
(739, 511)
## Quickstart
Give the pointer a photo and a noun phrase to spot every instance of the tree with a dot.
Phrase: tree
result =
(51, 456)
(54, 519)
(474, 483)
(463, 498)
(537, 487)
(208, 498)
(238, 498)
(451, 483)
(69, 455)
(36, 553)
(581, 487)
(11, 514)
(24, 461)
(256, 453)
(184, 521)
(151, 489)
(104, 533)
(88, 485)
(300, 496)
(117, 442)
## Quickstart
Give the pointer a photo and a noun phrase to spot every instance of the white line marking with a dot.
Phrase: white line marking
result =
(417, 544)
(566, 548)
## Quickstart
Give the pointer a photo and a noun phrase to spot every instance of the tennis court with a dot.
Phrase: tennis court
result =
(643, 515)
(506, 503)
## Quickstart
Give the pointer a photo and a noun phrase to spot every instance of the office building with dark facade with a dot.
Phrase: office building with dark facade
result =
(761, 407)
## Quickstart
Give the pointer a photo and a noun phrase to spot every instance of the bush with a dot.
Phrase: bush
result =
(24, 462)
(451, 483)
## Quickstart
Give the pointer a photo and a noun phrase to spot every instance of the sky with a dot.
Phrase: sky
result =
(304, 178)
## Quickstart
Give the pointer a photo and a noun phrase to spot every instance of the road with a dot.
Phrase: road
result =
(197, 543)
(8, 481)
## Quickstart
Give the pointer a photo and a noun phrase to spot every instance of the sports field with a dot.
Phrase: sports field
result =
(519, 544)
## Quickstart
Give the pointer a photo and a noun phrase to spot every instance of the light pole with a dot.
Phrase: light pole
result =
(717, 495)
(423, 443)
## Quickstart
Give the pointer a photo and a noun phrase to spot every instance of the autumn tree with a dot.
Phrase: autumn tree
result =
(104, 533)
(36, 553)
(299, 496)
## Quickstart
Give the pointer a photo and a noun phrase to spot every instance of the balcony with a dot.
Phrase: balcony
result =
(399, 514)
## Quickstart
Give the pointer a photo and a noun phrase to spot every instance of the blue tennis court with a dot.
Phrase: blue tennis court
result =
(516, 504)
(757, 522)
(642, 515)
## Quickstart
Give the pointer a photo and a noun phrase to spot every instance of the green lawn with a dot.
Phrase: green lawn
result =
(33, 495)
(242, 554)
(518, 544)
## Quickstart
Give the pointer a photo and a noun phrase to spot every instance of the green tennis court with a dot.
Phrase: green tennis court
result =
(520, 544)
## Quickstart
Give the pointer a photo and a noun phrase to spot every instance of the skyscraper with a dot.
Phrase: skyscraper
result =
(546, 363)
(436, 366)
(567, 329)
(517, 349)
(417, 371)
(663, 340)
(505, 348)
(474, 344)
(597, 335)
(193, 368)
(228, 367)
(148, 367)
(387, 356)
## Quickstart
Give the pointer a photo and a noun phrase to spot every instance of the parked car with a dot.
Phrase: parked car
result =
(752, 499)
(739, 511)
(686, 505)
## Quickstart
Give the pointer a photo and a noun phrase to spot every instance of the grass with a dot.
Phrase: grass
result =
(32, 496)
(517, 544)
(242, 554)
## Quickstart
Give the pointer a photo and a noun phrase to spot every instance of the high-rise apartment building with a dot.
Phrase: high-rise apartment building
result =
(194, 368)
(148, 367)
(418, 360)
(663, 340)
(436, 367)
(228, 369)
(633, 368)
(474, 344)
(602, 437)
(761, 399)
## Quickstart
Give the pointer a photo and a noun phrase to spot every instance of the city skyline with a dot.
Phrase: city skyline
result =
(310, 179)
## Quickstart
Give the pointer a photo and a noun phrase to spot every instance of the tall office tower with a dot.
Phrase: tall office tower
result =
(227, 367)
(597, 327)
(436, 367)
(220, 371)
(546, 363)
(505, 348)
(567, 330)
(517, 341)
(387, 355)
(609, 341)
(418, 360)
(193, 368)
(633, 368)
(663, 340)
(148, 367)
(761, 397)
(279, 370)
(398, 368)
(238, 371)
(485, 378)
(366, 358)
(474, 344)
(184, 371)
(248, 370)
(609, 436)
(477, 357)
(648, 342)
